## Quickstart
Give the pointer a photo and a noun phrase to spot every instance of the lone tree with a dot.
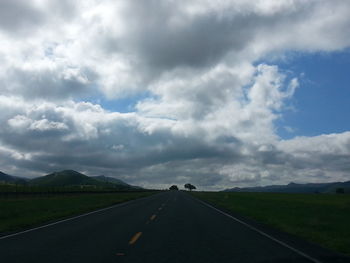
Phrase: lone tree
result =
(173, 187)
(189, 186)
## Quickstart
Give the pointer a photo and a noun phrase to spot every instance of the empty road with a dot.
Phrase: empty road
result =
(167, 227)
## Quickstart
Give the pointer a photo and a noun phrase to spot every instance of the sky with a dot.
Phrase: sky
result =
(219, 94)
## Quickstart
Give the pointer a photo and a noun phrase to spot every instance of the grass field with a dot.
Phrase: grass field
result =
(19, 213)
(319, 218)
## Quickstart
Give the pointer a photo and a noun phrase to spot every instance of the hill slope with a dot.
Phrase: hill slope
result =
(107, 179)
(297, 188)
(115, 181)
(10, 179)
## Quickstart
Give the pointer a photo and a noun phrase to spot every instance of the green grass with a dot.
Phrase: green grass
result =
(319, 218)
(29, 211)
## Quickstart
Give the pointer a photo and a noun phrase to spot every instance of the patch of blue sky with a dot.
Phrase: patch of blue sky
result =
(322, 101)
(122, 105)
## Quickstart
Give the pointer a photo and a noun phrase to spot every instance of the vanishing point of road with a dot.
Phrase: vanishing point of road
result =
(166, 227)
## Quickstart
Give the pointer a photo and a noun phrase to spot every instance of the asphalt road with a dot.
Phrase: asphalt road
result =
(166, 227)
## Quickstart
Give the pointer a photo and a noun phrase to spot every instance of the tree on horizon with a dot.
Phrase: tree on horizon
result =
(190, 186)
(173, 187)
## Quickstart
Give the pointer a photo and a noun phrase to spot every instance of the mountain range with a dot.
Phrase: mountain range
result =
(297, 188)
(67, 178)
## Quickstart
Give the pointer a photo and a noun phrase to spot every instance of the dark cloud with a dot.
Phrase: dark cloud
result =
(171, 38)
(165, 35)
(56, 84)
(20, 16)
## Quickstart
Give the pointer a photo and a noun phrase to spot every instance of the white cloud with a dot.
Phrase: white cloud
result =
(19, 122)
(46, 125)
(337, 143)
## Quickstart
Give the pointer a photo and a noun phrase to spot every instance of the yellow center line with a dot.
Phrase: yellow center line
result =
(135, 238)
(153, 217)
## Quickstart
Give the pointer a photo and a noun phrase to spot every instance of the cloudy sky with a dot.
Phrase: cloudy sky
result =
(215, 93)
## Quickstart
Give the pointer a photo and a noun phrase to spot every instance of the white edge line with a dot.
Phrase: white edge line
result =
(263, 233)
(71, 218)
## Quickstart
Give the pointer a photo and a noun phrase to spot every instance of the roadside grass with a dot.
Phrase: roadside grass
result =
(319, 218)
(19, 213)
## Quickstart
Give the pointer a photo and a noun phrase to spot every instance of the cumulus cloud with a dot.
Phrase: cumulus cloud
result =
(212, 105)
(100, 45)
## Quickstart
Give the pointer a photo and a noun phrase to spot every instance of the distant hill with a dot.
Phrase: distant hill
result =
(71, 178)
(64, 178)
(296, 188)
(10, 179)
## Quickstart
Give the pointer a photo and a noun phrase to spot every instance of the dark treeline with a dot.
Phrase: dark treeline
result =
(7, 190)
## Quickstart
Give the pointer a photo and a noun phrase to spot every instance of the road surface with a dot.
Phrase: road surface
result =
(167, 227)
